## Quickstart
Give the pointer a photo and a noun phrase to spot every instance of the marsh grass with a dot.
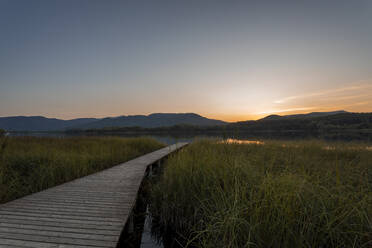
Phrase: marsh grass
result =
(296, 194)
(30, 164)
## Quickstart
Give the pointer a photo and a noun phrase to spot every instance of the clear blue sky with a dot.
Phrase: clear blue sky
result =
(232, 60)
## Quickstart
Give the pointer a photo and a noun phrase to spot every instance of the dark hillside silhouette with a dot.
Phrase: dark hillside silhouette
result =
(40, 123)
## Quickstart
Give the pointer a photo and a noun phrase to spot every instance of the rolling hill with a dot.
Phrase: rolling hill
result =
(152, 121)
(308, 115)
(318, 121)
(40, 123)
(340, 120)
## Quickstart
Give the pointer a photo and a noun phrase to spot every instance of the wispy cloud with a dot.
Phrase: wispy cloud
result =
(356, 88)
(347, 97)
(286, 110)
(358, 96)
(354, 104)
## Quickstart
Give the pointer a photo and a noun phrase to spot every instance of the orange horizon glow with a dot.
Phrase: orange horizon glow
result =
(230, 105)
(232, 62)
(260, 116)
(222, 117)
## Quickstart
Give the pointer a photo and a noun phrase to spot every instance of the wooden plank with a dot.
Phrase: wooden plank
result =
(71, 202)
(63, 205)
(83, 199)
(45, 223)
(60, 229)
(74, 205)
(61, 216)
(59, 234)
(59, 240)
(62, 213)
(11, 243)
(68, 209)
(80, 190)
(102, 195)
(61, 220)
(86, 212)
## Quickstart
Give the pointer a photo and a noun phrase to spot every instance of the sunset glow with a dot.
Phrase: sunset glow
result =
(230, 61)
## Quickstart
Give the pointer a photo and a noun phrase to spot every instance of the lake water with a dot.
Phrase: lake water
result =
(189, 137)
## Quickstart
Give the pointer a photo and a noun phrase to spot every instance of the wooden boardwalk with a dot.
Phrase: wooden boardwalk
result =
(87, 212)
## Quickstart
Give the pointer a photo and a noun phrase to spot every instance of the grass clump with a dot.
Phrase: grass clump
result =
(31, 164)
(298, 194)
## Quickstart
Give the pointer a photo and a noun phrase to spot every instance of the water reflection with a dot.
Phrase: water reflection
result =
(258, 142)
(147, 239)
(242, 141)
(242, 137)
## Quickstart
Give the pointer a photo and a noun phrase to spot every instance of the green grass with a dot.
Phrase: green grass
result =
(30, 164)
(301, 194)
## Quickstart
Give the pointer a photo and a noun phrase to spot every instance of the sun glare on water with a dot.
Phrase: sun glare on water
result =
(239, 141)
(258, 142)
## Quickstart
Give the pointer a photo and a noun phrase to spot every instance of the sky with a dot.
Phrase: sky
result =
(229, 60)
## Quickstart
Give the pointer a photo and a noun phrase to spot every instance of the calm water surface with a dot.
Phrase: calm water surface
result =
(243, 137)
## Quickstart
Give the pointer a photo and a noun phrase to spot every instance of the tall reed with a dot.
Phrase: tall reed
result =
(30, 164)
(298, 194)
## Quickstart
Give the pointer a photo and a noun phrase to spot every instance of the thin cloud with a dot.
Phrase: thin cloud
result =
(354, 96)
(355, 104)
(286, 110)
(328, 92)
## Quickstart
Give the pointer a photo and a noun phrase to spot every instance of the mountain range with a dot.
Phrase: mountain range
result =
(308, 115)
(323, 122)
(309, 121)
(40, 123)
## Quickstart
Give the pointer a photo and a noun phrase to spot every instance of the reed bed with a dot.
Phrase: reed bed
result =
(297, 194)
(31, 164)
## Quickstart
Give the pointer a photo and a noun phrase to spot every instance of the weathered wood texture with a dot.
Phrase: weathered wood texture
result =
(87, 212)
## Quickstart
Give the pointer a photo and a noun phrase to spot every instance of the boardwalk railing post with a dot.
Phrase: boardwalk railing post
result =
(131, 224)
(150, 170)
